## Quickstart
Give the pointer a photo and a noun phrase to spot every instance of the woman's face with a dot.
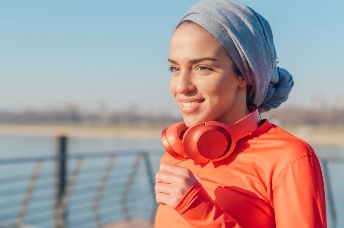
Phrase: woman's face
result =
(203, 83)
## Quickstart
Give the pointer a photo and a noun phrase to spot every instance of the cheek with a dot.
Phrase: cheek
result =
(222, 92)
(172, 86)
(213, 92)
(216, 88)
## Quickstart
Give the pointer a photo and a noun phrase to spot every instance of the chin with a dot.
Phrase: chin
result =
(193, 120)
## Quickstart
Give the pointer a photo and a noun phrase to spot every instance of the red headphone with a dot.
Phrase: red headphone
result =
(208, 141)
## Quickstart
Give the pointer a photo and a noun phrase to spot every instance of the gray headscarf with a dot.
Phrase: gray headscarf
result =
(247, 37)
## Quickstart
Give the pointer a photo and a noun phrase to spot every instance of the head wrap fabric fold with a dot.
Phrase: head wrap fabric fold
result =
(247, 37)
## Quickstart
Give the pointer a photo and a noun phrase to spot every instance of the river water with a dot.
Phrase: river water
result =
(80, 205)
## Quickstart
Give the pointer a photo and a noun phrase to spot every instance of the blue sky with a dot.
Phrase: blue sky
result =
(88, 53)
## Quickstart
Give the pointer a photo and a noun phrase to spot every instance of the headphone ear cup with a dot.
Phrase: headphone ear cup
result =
(206, 142)
(172, 139)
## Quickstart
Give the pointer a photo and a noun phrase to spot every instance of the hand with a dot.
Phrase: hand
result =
(172, 182)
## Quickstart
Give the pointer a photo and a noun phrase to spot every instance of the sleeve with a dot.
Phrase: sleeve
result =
(299, 196)
(199, 210)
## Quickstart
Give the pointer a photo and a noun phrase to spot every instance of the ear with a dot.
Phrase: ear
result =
(242, 82)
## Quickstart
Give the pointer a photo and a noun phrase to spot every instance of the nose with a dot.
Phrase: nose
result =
(185, 83)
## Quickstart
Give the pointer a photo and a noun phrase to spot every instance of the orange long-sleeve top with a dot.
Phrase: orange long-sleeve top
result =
(272, 179)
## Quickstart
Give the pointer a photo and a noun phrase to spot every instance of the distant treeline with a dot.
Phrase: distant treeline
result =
(121, 118)
(284, 116)
(298, 115)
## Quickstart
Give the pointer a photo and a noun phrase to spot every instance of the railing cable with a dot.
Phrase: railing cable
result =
(127, 188)
(28, 194)
(100, 191)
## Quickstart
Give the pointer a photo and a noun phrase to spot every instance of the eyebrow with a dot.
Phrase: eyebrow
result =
(193, 61)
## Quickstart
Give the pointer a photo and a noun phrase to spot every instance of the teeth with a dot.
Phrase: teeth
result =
(188, 104)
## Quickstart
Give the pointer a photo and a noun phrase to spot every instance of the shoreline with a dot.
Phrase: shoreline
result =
(81, 131)
(319, 135)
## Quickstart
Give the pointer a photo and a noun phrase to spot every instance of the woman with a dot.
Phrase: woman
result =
(223, 65)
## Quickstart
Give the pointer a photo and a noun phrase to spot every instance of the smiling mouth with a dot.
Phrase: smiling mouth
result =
(189, 107)
(190, 104)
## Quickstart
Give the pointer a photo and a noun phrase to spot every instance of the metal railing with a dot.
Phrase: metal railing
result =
(77, 190)
(95, 189)
(333, 173)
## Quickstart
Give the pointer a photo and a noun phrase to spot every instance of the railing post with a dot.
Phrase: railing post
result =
(61, 179)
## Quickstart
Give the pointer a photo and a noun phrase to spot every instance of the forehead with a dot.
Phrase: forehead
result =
(192, 30)
(192, 38)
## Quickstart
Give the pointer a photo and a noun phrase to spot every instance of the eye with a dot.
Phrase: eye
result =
(205, 68)
(173, 68)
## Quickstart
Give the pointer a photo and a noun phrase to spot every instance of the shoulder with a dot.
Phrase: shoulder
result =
(290, 161)
(279, 150)
(294, 154)
(280, 140)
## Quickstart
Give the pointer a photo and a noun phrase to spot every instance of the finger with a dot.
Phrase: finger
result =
(163, 177)
(173, 179)
(167, 177)
(163, 188)
(167, 199)
(161, 198)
